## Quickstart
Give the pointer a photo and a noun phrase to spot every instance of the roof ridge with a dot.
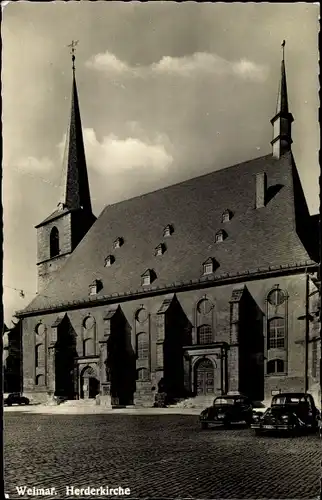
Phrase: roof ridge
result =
(269, 155)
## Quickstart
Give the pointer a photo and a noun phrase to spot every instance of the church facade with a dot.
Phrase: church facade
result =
(202, 288)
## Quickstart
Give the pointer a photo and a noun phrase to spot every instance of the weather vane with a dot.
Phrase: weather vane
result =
(72, 51)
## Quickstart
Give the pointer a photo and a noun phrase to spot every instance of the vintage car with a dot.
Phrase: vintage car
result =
(227, 410)
(15, 399)
(289, 412)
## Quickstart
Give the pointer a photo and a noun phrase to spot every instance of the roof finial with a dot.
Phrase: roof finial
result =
(283, 48)
(72, 51)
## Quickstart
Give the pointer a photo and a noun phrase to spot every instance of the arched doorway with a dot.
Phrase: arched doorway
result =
(89, 383)
(204, 377)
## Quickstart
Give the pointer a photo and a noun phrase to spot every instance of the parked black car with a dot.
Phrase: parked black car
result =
(227, 410)
(15, 399)
(289, 412)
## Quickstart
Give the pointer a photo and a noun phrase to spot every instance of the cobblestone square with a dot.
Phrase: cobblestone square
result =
(156, 456)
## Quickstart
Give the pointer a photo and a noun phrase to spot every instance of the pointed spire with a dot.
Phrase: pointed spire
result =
(282, 120)
(76, 193)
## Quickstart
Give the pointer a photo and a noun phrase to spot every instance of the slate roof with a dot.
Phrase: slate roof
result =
(256, 238)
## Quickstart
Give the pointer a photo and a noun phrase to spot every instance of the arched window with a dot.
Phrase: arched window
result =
(204, 334)
(54, 242)
(142, 374)
(40, 380)
(142, 345)
(275, 366)
(276, 333)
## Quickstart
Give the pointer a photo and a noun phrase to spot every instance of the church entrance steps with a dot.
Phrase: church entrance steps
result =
(99, 410)
(196, 402)
(80, 402)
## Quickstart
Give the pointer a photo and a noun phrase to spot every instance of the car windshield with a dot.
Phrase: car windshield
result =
(226, 401)
(288, 400)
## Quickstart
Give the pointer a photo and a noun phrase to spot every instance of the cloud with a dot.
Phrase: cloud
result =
(107, 61)
(32, 164)
(114, 155)
(197, 64)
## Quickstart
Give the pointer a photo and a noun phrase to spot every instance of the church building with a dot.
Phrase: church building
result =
(204, 287)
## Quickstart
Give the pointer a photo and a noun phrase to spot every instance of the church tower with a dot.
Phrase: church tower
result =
(60, 233)
(282, 121)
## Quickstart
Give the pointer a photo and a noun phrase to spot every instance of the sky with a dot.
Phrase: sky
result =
(168, 91)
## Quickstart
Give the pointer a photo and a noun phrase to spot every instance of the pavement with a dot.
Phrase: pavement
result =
(160, 455)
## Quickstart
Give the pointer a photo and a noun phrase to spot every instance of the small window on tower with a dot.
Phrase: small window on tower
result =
(110, 259)
(160, 249)
(209, 266)
(95, 287)
(118, 242)
(220, 236)
(226, 216)
(54, 242)
(168, 230)
(148, 277)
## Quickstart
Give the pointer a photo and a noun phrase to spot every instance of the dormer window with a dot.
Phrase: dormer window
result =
(118, 242)
(168, 230)
(209, 266)
(160, 249)
(226, 216)
(148, 277)
(95, 287)
(220, 236)
(110, 259)
(61, 205)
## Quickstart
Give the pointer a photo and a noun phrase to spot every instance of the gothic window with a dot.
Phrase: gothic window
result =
(87, 344)
(276, 333)
(275, 366)
(159, 355)
(168, 230)
(142, 345)
(160, 320)
(204, 334)
(37, 354)
(314, 358)
(142, 374)
(54, 242)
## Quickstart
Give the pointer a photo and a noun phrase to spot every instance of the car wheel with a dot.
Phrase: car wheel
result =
(204, 425)
(227, 424)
